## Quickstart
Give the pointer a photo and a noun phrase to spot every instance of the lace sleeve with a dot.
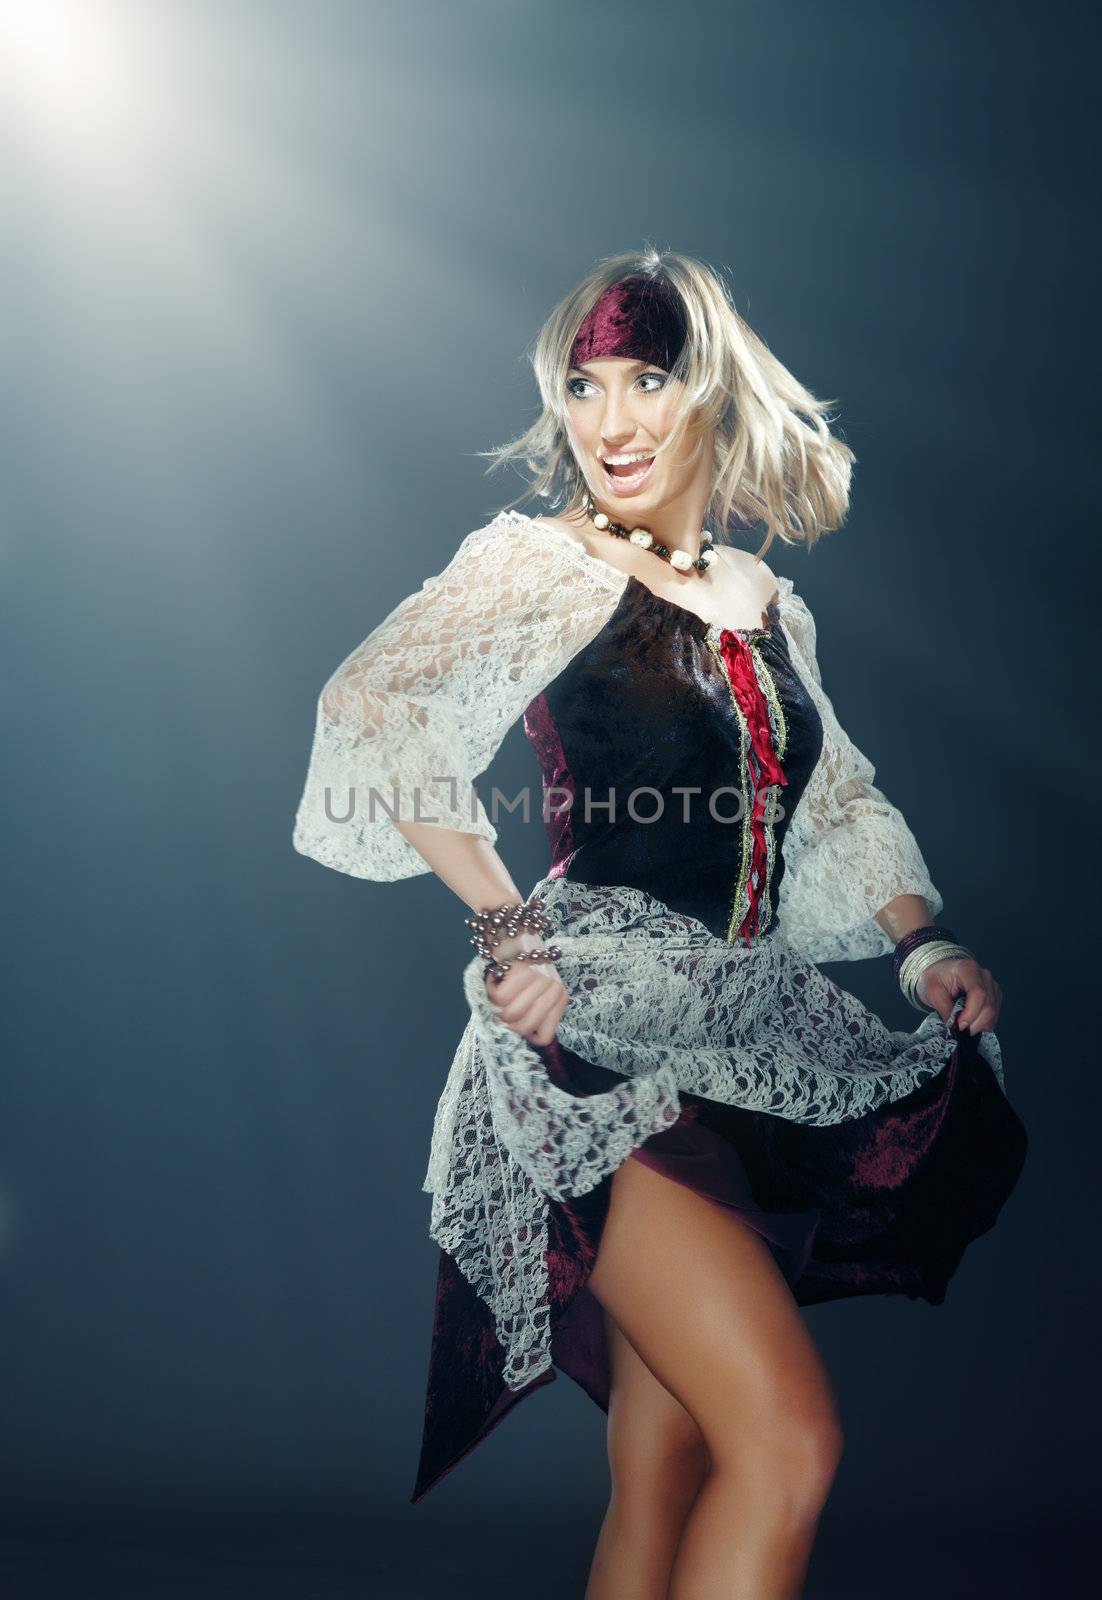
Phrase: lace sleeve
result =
(848, 850)
(421, 707)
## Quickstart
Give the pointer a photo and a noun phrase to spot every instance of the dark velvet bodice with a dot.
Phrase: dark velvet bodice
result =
(652, 704)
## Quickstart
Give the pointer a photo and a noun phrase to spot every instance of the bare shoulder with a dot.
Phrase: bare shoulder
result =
(754, 572)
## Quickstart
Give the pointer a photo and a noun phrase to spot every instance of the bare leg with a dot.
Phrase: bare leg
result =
(702, 1301)
(658, 1460)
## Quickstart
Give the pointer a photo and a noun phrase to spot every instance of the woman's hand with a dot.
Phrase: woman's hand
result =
(940, 984)
(531, 997)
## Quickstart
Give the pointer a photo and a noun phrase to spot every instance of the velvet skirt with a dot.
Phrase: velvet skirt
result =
(883, 1204)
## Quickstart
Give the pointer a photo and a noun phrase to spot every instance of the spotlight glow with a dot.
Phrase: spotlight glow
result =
(70, 68)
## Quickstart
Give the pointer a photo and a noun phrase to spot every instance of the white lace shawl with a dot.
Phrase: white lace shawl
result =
(425, 702)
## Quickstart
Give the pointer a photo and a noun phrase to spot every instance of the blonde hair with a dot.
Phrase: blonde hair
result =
(774, 458)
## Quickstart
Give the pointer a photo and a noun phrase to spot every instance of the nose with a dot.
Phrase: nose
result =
(617, 423)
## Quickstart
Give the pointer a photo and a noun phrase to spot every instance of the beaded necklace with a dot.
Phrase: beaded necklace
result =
(645, 540)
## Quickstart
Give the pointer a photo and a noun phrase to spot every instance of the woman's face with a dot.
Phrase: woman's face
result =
(616, 407)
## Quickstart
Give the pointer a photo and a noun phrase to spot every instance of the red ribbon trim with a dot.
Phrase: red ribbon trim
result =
(739, 663)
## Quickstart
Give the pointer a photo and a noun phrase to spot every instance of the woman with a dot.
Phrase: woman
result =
(665, 1129)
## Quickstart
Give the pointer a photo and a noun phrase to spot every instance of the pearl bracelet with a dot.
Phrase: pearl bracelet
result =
(506, 921)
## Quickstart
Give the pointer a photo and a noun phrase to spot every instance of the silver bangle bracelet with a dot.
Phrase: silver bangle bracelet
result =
(917, 962)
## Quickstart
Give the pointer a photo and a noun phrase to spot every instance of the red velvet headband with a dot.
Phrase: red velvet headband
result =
(638, 318)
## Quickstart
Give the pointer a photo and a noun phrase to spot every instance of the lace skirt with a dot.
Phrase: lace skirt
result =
(885, 1202)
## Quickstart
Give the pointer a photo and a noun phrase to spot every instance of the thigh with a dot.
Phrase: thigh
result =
(699, 1296)
(649, 1429)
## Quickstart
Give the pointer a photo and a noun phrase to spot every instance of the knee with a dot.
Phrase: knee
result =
(810, 1449)
(792, 1456)
(802, 1457)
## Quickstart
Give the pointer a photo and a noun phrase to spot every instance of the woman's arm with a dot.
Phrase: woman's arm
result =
(531, 998)
(902, 915)
(413, 715)
(942, 982)
(419, 709)
(466, 862)
(854, 873)
(859, 881)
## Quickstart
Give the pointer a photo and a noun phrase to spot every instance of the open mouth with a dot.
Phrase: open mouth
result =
(628, 477)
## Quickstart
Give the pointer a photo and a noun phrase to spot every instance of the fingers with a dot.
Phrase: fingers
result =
(536, 1003)
(539, 1023)
(983, 1001)
(943, 982)
(943, 1003)
(548, 1025)
(934, 991)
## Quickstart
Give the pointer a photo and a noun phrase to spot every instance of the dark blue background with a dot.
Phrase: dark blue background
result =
(262, 306)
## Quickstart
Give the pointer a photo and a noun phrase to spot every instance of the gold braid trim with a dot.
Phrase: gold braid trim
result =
(765, 678)
(780, 740)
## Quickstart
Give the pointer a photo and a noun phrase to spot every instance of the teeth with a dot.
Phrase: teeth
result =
(623, 461)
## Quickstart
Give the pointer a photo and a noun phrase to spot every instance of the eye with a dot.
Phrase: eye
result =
(574, 386)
